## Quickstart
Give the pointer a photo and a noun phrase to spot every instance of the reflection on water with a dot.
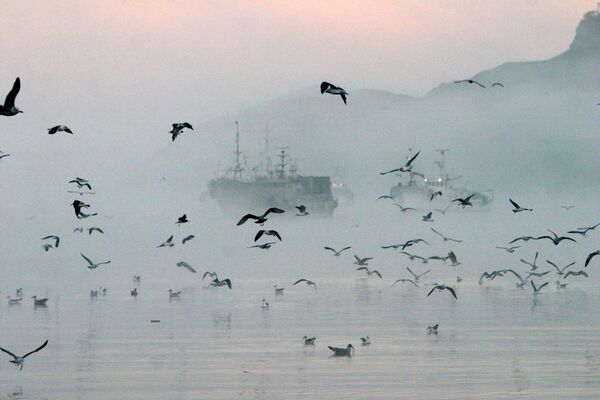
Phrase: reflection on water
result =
(495, 341)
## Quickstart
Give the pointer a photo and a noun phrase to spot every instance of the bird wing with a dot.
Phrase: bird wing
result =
(259, 234)
(36, 350)
(361, 268)
(385, 197)
(542, 285)
(515, 205)
(103, 262)
(87, 259)
(8, 352)
(590, 256)
(451, 291)
(343, 96)
(424, 273)
(300, 280)
(187, 238)
(276, 234)
(412, 273)
(431, 291)
(551, 263)
(329, 248)
(274, 210)
(227, 282)
(345, 248)
(186, 266)
(437, 232)
(377, 273)
(246, 218)
(390, 171)
(412, 159)
(560, 239)
(208, 274)
(9, 101)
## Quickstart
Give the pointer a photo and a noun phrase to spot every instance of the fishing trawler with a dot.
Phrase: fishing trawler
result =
(418, 190)
(243, 189)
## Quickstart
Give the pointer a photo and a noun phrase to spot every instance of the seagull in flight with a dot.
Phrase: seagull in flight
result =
(517, 208)
(369, 273)
(182, 220)
(187, 239)
(560, 271)
(53, 237)
(453, 260)
(94, 229)
(262, 232)
(264, 246)
(18, 361)
(335, 252)
(470, 81)
(212, 275)
(404, 209)
(497, 84)
(167, 243)
(302, 211)
(555, 238)
(218, 283)
(8, 109)
(590, 256)
(388, 197)
(81, 182)
(405, 280)
(417, 277)
(532, 265)
(411, 257)
(577, 273)
(59, 128)
(178, 128)
(4, 155)
(47, 246)
(434, 194)
(261, 219)
(427, 218)
(327, 87)
(466, 201)
(536, 289)
(508, 249)
(523, 238)
(92, 265)
(412, 242)
(77, 206)
(443, 287)
(444, 210)
(183, 264)
(583, 231)
(567, 207)
(446, 238)
(405, 168)
(362, 261)
(309, 283)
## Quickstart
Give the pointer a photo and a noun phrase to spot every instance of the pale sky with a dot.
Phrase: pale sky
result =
(203, 57)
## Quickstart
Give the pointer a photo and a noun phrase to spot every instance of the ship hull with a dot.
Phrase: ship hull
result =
(238, 197)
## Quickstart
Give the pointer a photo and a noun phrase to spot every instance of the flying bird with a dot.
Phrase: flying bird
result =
(309, 283)
(77, 206)
(412, 242)
(365, 340)
(388, 197)
(444, 210)
(560, 271)
(517, 208)
(405, 168)
(446, 238)
(466, 201)
(567, 207)
(327, 87)
(167, 243)
(178, 128)
(53, 237)
(262, 232)
(335, 252)
(218, 283)
(413, 257)
(182, 220)
(18, 361)
(183, 264)
(172, 294)
(583, 231)
(94, 229)
(532, 265)
(212, 275)
(405, 280)
(302, 211)
(470, 81)
(590, 256)
(575, 273)
(4, 155)
(264, 246)
(443, 287)
(523, 238)
(434, 194)
(536, 289)
(92, 265)
(369, 273)
(453, 259)
(508, 249)
(47, 246)
(362, 261)
(497, 84)
(59, 128)
(80, 230)
(404, 209)
(8, 109)
(417, 276)
(427, 218)
(261, 219)
(555, 238)
(187, 239)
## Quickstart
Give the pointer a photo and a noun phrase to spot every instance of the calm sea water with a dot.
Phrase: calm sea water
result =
(495, 341)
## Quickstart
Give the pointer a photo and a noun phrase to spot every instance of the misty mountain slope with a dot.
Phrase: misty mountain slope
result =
(538, 132)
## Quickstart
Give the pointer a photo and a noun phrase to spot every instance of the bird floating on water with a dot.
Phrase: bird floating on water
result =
(18, 361)
(342, 352)
(309, 341)
(39, 302)
(8, 109)
(327, 87)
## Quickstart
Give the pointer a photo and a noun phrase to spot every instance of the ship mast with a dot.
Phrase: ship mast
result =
(237, 170)
(282, 163)
(442, 163)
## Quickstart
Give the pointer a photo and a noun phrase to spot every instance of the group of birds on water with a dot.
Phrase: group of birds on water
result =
(83, 187)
